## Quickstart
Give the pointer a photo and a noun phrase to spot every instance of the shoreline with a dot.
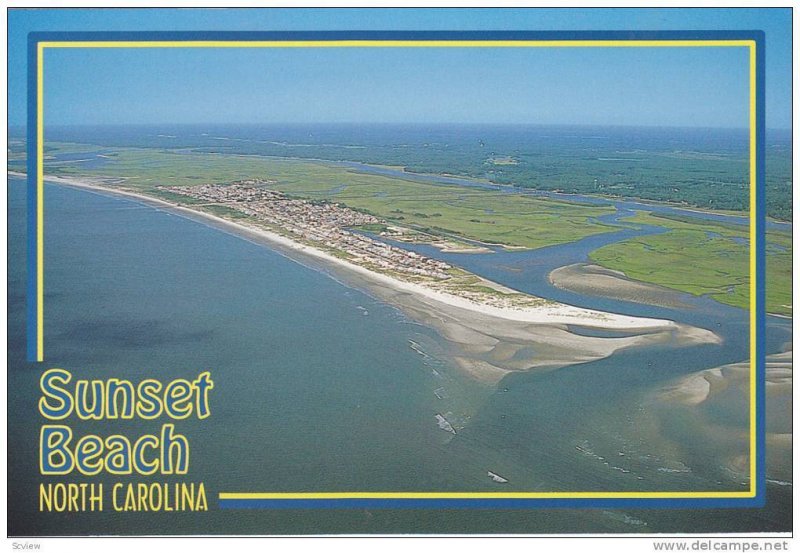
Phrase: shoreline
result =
(553, 313)
(485, 342)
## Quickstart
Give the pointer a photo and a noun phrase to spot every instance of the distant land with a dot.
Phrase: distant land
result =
(704, 168)
(693, 168)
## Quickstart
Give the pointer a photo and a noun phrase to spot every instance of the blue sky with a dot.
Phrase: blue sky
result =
(673, 87)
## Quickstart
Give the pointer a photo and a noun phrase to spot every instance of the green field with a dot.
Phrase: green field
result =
(488, 216)
(702, 257)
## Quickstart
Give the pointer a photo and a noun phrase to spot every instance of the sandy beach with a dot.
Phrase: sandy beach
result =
(488, 341)
(487, 347)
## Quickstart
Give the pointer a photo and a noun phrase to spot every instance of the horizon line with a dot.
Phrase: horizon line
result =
(396, 123)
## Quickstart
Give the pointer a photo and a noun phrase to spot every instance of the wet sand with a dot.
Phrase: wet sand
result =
(487, 342)
(718, 401)
(487, 348)
(594, 280)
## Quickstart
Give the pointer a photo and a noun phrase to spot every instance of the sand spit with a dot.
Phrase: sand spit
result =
(487, 347)
(487, 341)
(585, 278)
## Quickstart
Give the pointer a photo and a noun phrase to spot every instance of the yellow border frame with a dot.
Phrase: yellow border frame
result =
(750, 44)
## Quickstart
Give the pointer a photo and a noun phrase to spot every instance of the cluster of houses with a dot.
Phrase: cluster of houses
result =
(326, 223)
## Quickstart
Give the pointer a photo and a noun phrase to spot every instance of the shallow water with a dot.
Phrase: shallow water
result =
(318, 387)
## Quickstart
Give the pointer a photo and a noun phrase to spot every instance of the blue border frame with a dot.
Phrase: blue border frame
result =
(479, 503)
(32, 193)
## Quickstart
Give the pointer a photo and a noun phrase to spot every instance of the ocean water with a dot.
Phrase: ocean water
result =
(318, 387)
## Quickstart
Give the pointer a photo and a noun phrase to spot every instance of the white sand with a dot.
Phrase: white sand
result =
(487, 341)
(551, 313)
